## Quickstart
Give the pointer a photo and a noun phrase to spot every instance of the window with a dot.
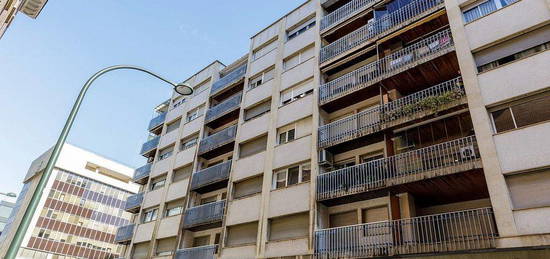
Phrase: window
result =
(298, 58)
(158, 183)
(166, 246)
(195, 113)
(242, 234)
(178, 102)
(291, 176)
(530, 189)
(527, 112)
(150, 215)
(248, 187)
(300, 29)
(484, 8)
(166, 153)
(261, 78)
(173, 126)
(294, 93)
(264, 50)
(201, 241)
(287, 136)
(200, 88)
(252, 147)
(174, 208)
(287, 227)
(141, 250)
(189, 142)
(517, 56)
(208, 200)
(343, 219)
(257, 110)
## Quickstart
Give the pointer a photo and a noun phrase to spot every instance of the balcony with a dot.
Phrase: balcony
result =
(218, 140)
(204, 216)
(142, 174)
(124, 234)
(423, 51)
(228, 80)
(447, 232)
(428, 101)
(157, 121)
(211, 178)
(149, 146)
(133, 203)
(446, 158)
(379, 28)
(343, 13)
(228, 109)
(200, 252)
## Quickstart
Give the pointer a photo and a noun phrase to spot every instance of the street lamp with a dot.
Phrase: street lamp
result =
(181, 88)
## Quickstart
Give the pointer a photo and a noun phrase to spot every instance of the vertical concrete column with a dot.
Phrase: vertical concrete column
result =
(498, 191)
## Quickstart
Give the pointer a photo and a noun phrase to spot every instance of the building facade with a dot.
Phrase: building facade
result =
(359, 128)
(10, 8)
(80, 211)
(6, 206)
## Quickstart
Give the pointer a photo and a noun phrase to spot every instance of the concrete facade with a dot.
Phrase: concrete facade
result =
(357, 129)
(10, 8)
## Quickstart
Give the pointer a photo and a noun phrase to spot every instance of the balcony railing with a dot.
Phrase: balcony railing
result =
(133, 202)
(200, 252)
(204, 214)
(399, 169)
(380, 27)
(150, 145)
(218, 139)
(387, 115)
(223, 108)
(157, 121)
(399, 61)
(124, 234)
(228, 79)
(344, 12)
(211, 175)
(446, 232)
(142, 172)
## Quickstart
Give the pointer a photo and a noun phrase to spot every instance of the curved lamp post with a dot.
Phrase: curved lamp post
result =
(181, 88)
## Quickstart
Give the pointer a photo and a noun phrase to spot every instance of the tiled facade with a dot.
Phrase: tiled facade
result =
(359, 128)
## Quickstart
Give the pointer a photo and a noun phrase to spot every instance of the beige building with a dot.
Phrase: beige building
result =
(355, 129)
(10, 8)
(80, 211)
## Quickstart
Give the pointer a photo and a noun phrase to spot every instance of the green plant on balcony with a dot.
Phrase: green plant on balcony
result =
(430, 103)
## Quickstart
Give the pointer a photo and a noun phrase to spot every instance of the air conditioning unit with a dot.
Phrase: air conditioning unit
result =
(467, 152)
(325, 158)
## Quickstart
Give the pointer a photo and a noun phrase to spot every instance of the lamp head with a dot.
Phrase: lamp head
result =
(183, 89)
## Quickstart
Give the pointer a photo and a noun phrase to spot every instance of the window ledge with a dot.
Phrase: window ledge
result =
(520, 128)
(286, 239)
(289, 186)
(296, 100)
(509, 63)
(247, 196)
(292, 141)
(531, 208)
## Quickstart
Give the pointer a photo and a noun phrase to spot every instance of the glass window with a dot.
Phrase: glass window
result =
(261, 78)
(301, 28)
(264, 50)
(529, 112)
(158, 183)
(150, 215)
(296, 92)
(292, 175)
(287, 136)
(195, 113)
(173, 126)
(298, 58)
(188, 143)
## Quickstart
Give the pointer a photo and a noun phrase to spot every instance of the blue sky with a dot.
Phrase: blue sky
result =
(44, 62)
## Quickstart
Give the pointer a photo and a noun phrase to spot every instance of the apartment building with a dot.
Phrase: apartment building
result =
(10, 8)
(359, 128)
(80, 211)
(6, 206)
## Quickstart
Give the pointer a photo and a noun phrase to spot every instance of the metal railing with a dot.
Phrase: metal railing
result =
(390, 65)
(223, 108)
(218, 139)
(399, 169)
(133, 202)
(379, 27)
(142, 172)
(204, 214)
(200, 252)
(150, 145)
(445, 232)
(124, 233)
(344, 12)
(234, 76)
(383, 116)
(211, 175)
(157, 121)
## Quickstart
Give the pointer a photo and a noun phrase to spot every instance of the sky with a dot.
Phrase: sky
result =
(45, 62)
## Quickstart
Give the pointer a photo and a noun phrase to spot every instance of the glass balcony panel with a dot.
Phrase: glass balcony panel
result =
(200, 252)
(150, 145)
(211, 175)
(223, 108)
(124, 234)
(204, 214)
(218, 139)
(228, 79)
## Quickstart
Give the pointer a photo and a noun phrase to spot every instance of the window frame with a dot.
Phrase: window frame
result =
(260, 75)
(150, 215)
(285, 173)
(194, 113)
(301, 59)
(293, 90)
(157, 183)
(300, 29)
(509, 106)
(286, 136)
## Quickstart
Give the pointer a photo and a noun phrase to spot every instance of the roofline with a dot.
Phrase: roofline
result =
(278, 20)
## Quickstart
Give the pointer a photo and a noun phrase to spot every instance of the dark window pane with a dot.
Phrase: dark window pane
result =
(440, 134)
(503, 120)
(290, 135)
(453, 127)
(466, 125)
(426, 137)
(532, 112)
(293, 175)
